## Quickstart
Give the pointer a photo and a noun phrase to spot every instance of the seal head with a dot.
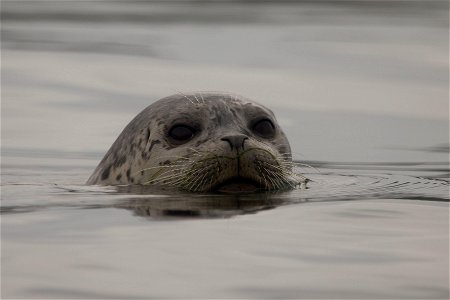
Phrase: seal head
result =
(201, 142)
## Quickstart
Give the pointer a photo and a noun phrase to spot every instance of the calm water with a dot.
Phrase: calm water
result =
(360, 88)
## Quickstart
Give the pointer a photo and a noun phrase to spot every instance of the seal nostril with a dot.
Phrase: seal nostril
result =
(235, 141)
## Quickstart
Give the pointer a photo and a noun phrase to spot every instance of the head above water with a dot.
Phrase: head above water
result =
(201, 142)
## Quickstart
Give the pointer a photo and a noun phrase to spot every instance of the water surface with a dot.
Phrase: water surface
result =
(360, 88)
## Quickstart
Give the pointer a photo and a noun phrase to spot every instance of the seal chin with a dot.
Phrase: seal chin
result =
(201, 142)
(238, 185)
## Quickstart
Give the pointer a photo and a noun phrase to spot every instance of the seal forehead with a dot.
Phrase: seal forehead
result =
(145, 149)
(221, 109)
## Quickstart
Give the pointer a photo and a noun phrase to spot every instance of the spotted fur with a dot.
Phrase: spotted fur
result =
(143, 153)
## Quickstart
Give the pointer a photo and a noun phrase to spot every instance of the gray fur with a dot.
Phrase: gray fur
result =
(143, 147)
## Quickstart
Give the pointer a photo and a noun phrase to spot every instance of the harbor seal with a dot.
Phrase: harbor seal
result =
(201, 142)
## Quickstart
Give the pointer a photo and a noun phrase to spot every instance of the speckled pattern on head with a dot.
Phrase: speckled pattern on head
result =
(201, 142)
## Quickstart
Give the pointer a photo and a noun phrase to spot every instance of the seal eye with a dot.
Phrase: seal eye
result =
(264, 128)
(180, 134)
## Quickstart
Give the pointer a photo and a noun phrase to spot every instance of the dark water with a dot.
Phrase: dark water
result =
(361, 88)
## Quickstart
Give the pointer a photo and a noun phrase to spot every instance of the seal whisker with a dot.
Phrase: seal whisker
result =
(282, 175)
(169, 179)
(266, 181)
(177, 141)
(158, 178)
(199, 181)
(270, 179)
(211, 178)
(288, 172)
(201, 95)
(280, 180)
(262, 171)
(170, 173)
(294, 163)
(192, 102)
(290, 165)
(198, 101)
(185, 176)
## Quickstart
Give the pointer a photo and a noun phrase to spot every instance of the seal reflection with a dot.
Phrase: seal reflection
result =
(156, 202)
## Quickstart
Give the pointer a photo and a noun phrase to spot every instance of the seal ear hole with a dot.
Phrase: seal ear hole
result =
(264, 128)
(180, 134)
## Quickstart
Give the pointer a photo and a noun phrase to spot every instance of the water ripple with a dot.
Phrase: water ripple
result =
(329, 184)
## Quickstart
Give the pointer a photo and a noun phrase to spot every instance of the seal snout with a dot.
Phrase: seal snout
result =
(201, 142)
(236, 141)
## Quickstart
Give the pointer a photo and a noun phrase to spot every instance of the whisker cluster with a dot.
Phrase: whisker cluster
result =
(202, 171)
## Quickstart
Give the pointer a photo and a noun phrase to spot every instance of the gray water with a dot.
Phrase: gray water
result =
(360, 88)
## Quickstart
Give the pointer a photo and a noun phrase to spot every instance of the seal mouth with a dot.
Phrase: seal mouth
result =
(238, 184)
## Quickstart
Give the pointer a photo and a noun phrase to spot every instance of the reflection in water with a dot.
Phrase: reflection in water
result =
(351, 81)
(208, 205)
(332, 184)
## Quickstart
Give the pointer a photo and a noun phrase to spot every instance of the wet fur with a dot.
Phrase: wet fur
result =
(142, 154)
